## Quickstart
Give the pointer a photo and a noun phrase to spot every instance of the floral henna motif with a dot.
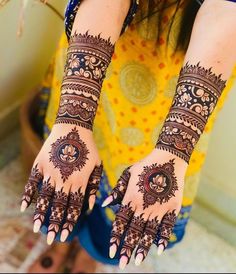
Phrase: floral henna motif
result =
(119, 191)
(119, 225)
(73, 210)
(197, 93)
(69, 154)
(32, 185)
(87, 60)
(148, 238)
(94, 180)
(43, 201)
(57, 211)
(157, 183)
(166, 229)
(132, 236)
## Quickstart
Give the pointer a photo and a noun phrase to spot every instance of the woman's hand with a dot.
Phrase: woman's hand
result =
(150, 193)
(66, 171)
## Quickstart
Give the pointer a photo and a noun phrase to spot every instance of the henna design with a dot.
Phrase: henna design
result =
(73, 210)
(94, 180)
(166, 228)
(119, 191)
(87, 60)
(148, 238)
(43, 201)
(119, 225)
(157, 183)
(69, 154)
(57, 211)
(32, 185)
(132, 236)
(197, 93)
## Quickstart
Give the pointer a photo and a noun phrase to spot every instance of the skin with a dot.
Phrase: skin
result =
(211, 44)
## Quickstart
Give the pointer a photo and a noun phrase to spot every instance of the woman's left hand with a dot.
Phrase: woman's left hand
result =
(150, 193)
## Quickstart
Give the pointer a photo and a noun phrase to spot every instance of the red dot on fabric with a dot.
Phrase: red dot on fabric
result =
(132, 42)
(163, 102)
(131, 149)
(177, 61)
(147, 130)
(145, 119)
(98, 112)
(154, 112)
(161, 65)
(117, 139)
(134, 109)
(133, 123)
(132, 27)
(167, 76)
(120, 151)
(141, 57)
(154, 53)
(114, 56)
(116, 101)
(143, 43)
(146, 143)
(131, 159)
(109, 85)
(122, 113)
(142, 152)
(124, 48)
(115, 72)
(161, 41)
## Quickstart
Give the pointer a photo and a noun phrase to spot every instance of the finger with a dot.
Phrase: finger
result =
(118, 192)
(57, 214)
(93, 185)
(122, 219)
(132, 238)
(166, 228)
(73, 212)
(42, 204)
(149, 235)
(31, 187)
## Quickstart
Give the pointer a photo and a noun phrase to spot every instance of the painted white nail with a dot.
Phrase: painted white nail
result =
(138, 259)
(37, 225)
(92, 200)
(112, 251)
(23, 206)
(108, 200)
(160, 250)
(123, 262)
(64, 235)
(50, 237)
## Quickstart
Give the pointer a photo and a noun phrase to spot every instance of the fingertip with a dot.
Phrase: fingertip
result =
(160, 250)
(64, 235)
(138, 259)
(23, 207)
(112, 251)
(92, 200)
(37, 226)
(123, 262)
(107, 201)
(50, 237)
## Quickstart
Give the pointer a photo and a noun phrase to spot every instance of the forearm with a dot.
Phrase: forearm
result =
(208, 64)
(89, 54)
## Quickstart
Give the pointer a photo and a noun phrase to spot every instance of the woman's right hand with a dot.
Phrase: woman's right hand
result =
(69, 170)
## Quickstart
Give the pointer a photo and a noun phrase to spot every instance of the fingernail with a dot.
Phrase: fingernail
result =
(37, 225)
(123, 262)
(64, 235)
(108, 200)
(138, 259)
(92, 200)
(160, 250)
(23, 206)
(112, 251)
(50, 237)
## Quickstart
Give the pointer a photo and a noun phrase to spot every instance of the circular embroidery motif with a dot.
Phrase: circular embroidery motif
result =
(157, 183)
(138, 84)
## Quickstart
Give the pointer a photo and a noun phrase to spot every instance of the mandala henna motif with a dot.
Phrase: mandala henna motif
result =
(69, 154)
(119, 225)
(32, 185)
(166, 228)
(94, 180)
(43, 201)
(88, 57)
(73, 210)
(57, 211)
(132, 236)
(197, 93)
(148, 237)
(157, 183)
(119, 191)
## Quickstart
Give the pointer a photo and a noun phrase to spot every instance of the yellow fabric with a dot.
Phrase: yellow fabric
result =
(136, 97)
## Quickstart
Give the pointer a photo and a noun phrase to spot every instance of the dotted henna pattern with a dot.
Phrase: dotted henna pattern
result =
(157, 183)
(69, 154)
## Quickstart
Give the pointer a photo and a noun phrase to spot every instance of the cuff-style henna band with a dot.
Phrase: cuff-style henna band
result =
(197, 93)
(87, 60)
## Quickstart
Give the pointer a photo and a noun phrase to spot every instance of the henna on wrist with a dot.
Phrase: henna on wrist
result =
(157, 183)
(197, 93)
(69, 154)
(88, 57)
